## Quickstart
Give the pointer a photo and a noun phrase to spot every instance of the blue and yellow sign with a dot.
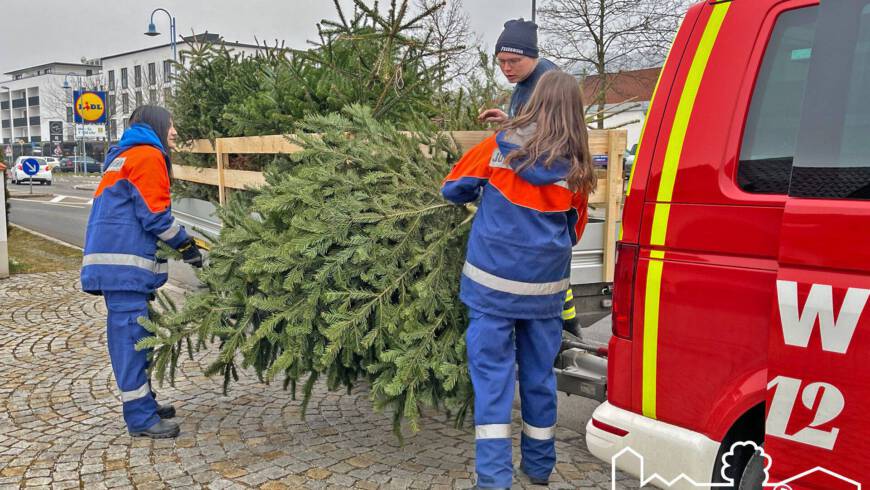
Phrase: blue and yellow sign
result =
(90, 107)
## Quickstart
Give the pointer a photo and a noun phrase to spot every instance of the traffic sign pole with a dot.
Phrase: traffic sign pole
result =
(31, 168)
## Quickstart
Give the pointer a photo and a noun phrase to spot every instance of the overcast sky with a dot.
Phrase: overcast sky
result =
(34, 32)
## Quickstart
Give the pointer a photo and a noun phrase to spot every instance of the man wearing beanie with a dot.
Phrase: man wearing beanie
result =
(517, 54)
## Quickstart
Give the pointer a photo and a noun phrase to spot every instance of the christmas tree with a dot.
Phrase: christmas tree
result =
(346, 266)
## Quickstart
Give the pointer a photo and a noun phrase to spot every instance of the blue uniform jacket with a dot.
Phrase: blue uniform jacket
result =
(524, 89)
(519, 252)
(131, 211)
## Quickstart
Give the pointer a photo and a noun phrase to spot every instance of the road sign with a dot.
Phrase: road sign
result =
(30, 166)
(57, 151)
(55, 129)
(90, 107)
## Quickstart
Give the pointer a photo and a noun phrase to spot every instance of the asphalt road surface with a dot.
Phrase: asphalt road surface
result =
(62, 213)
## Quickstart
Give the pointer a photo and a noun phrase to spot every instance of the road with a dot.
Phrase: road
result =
(63, 215)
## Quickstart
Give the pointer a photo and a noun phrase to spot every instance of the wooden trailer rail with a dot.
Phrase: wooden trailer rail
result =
(608, 194)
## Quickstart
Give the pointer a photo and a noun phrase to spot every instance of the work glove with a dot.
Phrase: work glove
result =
(190, 254)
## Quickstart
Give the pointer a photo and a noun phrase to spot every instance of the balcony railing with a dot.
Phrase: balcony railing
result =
(19, 103)
(33, 101)
(34, 121)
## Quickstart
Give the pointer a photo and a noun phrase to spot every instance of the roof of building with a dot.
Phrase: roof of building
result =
(634, 86)
(204, 37)
(46, 65)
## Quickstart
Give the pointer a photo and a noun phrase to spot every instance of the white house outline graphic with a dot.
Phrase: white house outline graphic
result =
(655, 477)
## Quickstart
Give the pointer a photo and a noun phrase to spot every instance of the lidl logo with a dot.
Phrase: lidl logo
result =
(90, 107)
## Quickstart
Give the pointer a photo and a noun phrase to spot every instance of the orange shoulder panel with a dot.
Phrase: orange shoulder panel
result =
(475, 162)
(143, 167)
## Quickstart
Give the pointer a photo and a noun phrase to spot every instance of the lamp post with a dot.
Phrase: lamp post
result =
(534, 9)
(11, 118)
(67, 86)
(152, 30)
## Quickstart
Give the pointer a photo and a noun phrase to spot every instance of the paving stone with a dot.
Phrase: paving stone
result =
(59, 401)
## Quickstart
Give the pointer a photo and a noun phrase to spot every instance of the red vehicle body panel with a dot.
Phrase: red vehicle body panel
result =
(716, 346)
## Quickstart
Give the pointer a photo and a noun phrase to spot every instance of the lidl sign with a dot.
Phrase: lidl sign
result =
(90, 107)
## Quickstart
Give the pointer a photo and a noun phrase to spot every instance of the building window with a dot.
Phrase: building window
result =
(167, 96)
(111, 104)
(138, 98)
(125, 103)
(152, 73)
(124, 79)
(152, 97)
(69, 114)
(126, 123)
(167, 71)
(113, 129)
(137, 76)
(111, 79)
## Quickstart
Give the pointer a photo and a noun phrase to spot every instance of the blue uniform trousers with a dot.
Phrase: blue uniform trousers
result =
(130, 366)
(496, 346)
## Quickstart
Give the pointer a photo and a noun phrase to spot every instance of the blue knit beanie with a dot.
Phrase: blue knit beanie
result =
(519, 37)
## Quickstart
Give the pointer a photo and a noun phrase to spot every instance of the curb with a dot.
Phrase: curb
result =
(45, 237)
(85, 187)
(17, 195)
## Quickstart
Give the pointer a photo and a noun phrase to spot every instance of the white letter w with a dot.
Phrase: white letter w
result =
(797, 327)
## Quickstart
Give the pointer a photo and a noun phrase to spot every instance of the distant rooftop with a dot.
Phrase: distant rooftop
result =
(50, 65)
(197, 38)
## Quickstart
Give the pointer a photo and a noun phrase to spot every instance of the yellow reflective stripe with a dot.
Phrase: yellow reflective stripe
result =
(569, 295)
(569, 314)
(673, 153)
(651, 337)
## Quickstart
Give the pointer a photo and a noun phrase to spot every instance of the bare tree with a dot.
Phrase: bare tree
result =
(605, 37)
(451, 40)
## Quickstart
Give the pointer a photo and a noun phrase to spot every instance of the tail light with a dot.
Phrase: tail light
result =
(623, 288)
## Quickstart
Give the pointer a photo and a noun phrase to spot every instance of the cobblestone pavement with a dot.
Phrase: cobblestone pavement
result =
(61, 425)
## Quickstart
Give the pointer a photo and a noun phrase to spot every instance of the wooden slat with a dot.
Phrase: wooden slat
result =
(265, 145)
(233, 179)
(197, 146)
(615, 192)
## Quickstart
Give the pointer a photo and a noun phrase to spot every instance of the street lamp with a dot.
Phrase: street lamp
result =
(152, 30)
(534, 9)
(11, 119)
(67, 86)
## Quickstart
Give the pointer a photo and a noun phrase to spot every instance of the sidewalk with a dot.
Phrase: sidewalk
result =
(61, 423)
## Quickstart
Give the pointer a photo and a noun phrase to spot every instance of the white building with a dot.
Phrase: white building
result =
(43, 93)
(145, 77)
(36, 96)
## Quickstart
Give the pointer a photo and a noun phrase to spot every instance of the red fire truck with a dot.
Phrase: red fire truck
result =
(740, 299)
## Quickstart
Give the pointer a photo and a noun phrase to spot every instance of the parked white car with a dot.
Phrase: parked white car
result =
(20, 177)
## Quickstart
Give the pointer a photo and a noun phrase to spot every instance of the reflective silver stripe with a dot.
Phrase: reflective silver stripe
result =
(501, 164)
(119, 259)
(492, 431)
(170, 233)
(129, 396)
(162, 268)
(562, 183)
(514, 287)
(539, 433)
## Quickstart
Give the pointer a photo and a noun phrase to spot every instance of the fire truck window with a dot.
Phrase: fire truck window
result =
(770, 135)
(833, 153)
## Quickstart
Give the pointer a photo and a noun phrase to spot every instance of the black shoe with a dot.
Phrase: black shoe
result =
(535, 480)
(161, 430)
(165, 411)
